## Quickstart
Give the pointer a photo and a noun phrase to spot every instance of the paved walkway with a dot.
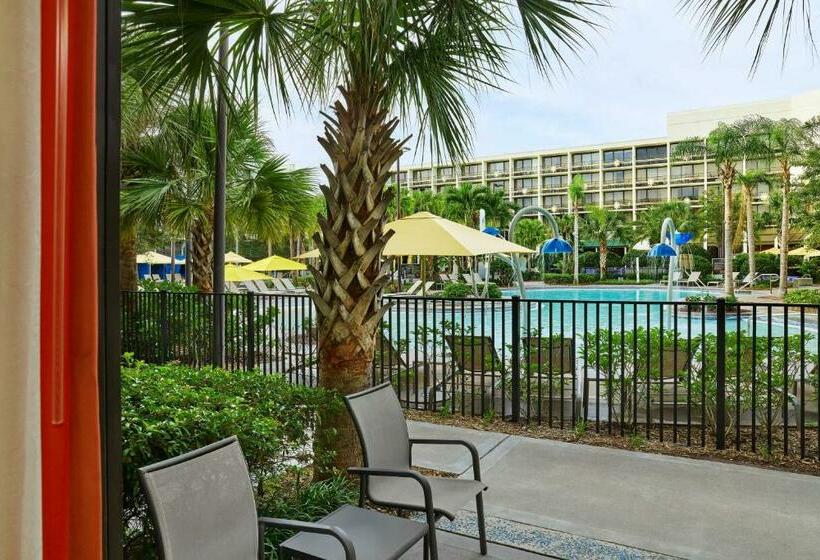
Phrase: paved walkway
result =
(647, 503)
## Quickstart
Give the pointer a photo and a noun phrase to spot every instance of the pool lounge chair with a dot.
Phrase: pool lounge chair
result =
(411, 290)
(203, 506)
(550, 366)
(289, 286)
(717, 283)
(387, 476)
(692, 280)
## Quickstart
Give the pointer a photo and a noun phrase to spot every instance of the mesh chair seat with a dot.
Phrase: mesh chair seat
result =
(449, 494)
(375, 536)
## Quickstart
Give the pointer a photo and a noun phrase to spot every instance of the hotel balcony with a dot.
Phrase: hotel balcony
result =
(651, 161)
(617, 163)
(653, 182)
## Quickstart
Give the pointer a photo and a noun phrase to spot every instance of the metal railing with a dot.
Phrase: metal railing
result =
(742, 376)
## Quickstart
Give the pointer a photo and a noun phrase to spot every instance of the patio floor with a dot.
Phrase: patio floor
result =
(458, 547)
(581, 502)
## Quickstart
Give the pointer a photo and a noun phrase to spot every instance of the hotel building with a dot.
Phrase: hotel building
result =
(625, 176)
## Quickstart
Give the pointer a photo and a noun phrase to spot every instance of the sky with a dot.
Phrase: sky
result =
(647, 61)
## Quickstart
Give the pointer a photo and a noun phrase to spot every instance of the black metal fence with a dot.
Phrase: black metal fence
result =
(707, 373)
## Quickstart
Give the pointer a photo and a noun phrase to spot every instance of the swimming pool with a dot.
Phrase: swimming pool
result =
(619, 294)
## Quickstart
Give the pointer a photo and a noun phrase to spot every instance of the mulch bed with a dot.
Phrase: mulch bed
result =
(640, 442)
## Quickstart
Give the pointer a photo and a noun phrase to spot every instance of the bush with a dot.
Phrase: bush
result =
(457, 290)
(501, 272)
(804, 295)
(810, 267)
(589, 259)
(702, 264)
(552, 279)
(531, 274)
(171, 409)
(493, 291)
(764, 263)
(149, 285)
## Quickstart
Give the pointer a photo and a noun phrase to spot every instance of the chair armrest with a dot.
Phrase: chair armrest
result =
(403, 473)
(307, 527)
(470, 447)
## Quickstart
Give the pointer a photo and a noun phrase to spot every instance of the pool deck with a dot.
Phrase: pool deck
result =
(582, 502)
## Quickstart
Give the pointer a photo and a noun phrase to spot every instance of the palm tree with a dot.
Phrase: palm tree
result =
(647, 225)
(497, 207)
(222, 51)
(172, 184)
(530, 233)
(464, 202)
(424, 201)
(604, 225)
(722, 18)
(392, 60)
(786, 142)
(576, 199)
(747, 181)
(728, 144)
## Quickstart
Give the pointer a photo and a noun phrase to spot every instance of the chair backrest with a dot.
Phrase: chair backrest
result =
(414, 287)
(473, 353)
(250, 286)
(382, 428)
(694, 276)
(277, 283)
(261, 287)
(288, 284)
(232, 288)
(556, 362)
(202, 504)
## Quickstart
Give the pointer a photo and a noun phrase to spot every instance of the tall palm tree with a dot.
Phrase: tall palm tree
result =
(728, 144)
(172, 182)
(498, 208)
(604, 225)
(748, 181)
(576, 199)
(720, 19)
(391, 60)
(464, 202)
(786, 142)
(425, 201)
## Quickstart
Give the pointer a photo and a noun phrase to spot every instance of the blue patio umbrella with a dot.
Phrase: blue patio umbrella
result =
(683, 237)
(494, 231)
(662, 250)
(556, 245)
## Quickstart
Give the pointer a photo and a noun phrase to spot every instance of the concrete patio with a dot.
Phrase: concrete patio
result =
(578, 501)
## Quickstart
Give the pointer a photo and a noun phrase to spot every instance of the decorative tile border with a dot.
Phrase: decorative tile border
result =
(545, 541)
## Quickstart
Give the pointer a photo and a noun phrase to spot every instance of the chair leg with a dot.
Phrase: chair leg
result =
(482, 531)
(426, 548)
(432, 541)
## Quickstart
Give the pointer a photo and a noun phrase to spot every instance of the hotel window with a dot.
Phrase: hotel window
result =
(687, 172)
(555, 182)
(422, 175)
(650, 153)
(498, 184)
(551, 164)
(590, 179)
(618, 157)
(446, 173)
(617, 177)
(497, 168)
(591, 199)
(524, 165)
(760, 164)
(760, 189)
(526, 201)
(654, 174)
(622, 197)
(681, 193)
(526, 184)
(557, 201)
(651, 195)
(471, 170)
(589, 159)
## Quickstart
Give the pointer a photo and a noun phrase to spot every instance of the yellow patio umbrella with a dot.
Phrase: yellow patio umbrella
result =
(235, 258)
(235, 273)
(314, 254)
(426, 234)
(275, 263)
(772, 251)
(152, 257)
(804, 252)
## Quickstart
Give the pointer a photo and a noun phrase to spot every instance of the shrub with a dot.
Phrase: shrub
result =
(501, 272)
(589, 259)
(493, 291)
(702, 264)
(550, 278)
(457, 290)
(810, 267)
(764, 263)
(149, 285)
(804, 295)
(171, 409)
(531, 274)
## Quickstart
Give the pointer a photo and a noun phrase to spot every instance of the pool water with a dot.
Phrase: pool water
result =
(627, 294)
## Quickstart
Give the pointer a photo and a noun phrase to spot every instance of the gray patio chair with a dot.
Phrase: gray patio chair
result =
(203, 508)
(387, 478)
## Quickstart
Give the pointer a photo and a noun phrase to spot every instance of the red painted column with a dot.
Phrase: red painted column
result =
(72, 510)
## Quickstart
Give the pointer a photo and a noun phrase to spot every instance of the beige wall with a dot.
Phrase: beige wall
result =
(20, 496)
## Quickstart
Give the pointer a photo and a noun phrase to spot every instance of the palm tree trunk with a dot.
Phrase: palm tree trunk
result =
(575, 236)
(728, 265)
(351, 276)
(128, 260)
(202, 256)
(750, 231)
(602, 254)
(784, 233)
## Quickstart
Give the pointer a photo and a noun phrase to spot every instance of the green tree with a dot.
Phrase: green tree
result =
(806, 199)
(576, 200)
(464, 202)
(728, 145)
(172, 185)
(392, 60)
(604, 225)
(530, 233)
(498, 208)
(746, 220)
(647, 226)
(425, 201)
(784, 141)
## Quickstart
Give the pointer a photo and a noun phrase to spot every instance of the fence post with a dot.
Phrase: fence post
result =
(164, 328)
(250, 324)
(516, 359)
(720, 371)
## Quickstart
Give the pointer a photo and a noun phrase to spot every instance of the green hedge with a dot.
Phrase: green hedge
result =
(463, 290)
(551, 278)
(171, 409)
(804, 295)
